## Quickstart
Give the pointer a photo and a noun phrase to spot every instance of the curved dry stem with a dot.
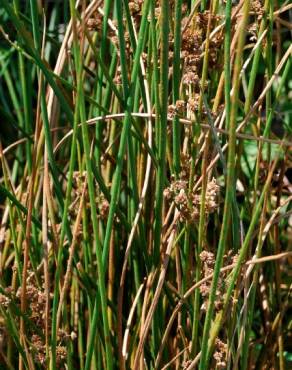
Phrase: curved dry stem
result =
(129, 322)
(186, 121)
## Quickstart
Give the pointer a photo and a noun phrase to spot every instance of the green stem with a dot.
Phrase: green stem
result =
(176, 83)
(229, 182)
(163, 125)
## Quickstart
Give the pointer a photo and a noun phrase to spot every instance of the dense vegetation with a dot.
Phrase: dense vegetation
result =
(145, 184)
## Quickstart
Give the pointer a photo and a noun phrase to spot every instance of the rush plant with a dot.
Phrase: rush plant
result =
(145, 184)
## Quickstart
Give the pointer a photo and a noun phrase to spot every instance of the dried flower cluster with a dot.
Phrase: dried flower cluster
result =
(135, 7)
(220, 354)
(192, 48)
(256, 8)
(208, 263)
(211, 196)
(94, 23)
(4, 301)
(39, 350)
(188, 203)
(36, 302)
(178, 108)
(103, 206)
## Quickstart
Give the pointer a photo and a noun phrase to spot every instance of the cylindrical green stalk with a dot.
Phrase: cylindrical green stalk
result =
(163, 125)
(229, 185)
(201, 239)
(176, 83)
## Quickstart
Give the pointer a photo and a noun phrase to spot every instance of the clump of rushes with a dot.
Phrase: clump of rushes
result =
(145, 185)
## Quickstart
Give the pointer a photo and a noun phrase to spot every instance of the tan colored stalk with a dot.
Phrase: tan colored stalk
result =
(71, 255)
